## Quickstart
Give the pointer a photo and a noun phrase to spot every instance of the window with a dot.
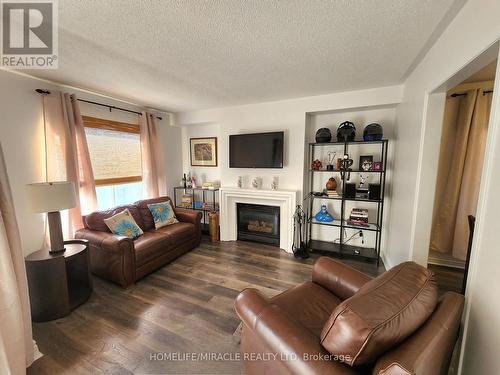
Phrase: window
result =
(115, 154)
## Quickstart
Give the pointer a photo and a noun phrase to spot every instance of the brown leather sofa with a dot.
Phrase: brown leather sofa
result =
(123, 260)
(286, 334)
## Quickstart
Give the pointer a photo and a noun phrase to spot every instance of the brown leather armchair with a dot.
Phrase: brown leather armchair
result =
(285, 334)
(123, 260)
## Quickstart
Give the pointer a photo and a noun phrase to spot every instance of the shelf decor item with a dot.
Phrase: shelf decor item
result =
(323, 135)
(377, 166)
(274, 183)
(346, 132)
(374, 191)
(323, 215)
(366, 163)
(256, 182)
(359, 217)
(346, 166)
(331, 184)
(316, 165)
(203, 152)
(239, 182)
(331, 160)
(373, 132)
(52, 197)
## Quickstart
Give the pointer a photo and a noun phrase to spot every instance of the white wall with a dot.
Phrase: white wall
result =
(21, 137)
(287, 115)
(203, 174)
(474, 30)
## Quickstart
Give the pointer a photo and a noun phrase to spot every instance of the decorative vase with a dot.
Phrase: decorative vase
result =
(331, 184)
(274, 183)
(256, 182)
(239, 183)
(323, 215)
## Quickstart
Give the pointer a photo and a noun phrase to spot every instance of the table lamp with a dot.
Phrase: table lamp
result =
(51, 197)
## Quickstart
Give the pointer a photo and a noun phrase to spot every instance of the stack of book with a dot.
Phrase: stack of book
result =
(359, 217)
(210, 206)
(210, 185)
(332, 194)
(186, 201)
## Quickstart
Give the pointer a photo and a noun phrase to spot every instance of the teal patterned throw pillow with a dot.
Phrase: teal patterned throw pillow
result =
(123, 224)
(163, 214)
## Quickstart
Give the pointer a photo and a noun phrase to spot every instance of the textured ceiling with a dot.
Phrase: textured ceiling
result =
(190, 54)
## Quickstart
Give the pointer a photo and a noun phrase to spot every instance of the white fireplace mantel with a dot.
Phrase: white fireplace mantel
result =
(284, 199)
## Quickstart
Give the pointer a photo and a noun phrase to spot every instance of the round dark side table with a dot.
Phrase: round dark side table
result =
(58, 283)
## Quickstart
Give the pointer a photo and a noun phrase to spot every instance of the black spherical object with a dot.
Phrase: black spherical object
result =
(373, 132)
(346, 132)
(323, 135)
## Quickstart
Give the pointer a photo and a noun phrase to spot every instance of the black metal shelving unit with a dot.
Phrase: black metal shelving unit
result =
(341, 249)
(205, 195)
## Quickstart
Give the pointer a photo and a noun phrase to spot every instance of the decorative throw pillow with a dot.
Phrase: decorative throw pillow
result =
(163, 214)
(123, 224)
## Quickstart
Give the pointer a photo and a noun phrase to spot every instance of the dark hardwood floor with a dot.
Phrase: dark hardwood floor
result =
(185, 307)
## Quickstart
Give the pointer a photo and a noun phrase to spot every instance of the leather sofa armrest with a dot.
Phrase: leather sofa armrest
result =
(288, 341)
(112, 257)
(188, 216)
(105, 240)
(338, 278)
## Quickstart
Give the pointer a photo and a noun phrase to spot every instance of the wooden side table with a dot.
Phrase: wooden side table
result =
(58, 283)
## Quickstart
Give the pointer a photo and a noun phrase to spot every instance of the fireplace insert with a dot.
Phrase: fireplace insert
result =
(259, 223)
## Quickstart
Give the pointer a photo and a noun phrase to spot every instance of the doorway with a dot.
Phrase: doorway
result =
(460, 164)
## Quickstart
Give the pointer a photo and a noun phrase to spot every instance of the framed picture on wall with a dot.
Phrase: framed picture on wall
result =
(203, 152)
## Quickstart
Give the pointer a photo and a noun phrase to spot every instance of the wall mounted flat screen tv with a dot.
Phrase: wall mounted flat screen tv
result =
(259, 150)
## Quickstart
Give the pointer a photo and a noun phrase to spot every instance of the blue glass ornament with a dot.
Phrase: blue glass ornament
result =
(323, 215)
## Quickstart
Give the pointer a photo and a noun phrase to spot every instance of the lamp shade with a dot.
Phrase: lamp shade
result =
(51, 196)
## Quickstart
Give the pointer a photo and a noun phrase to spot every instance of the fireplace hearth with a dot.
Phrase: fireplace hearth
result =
(258, 223)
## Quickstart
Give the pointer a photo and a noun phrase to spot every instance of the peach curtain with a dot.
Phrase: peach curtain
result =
(16, 340)
(465, 128)
(68, 155)
(153, 173)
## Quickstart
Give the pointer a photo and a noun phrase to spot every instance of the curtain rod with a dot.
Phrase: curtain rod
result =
(465, 94)
(111, 107)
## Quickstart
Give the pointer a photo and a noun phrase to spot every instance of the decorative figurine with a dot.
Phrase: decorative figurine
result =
(362, 192)
(323, 215)
(362, 180)
(239, 183)
(346, 166)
